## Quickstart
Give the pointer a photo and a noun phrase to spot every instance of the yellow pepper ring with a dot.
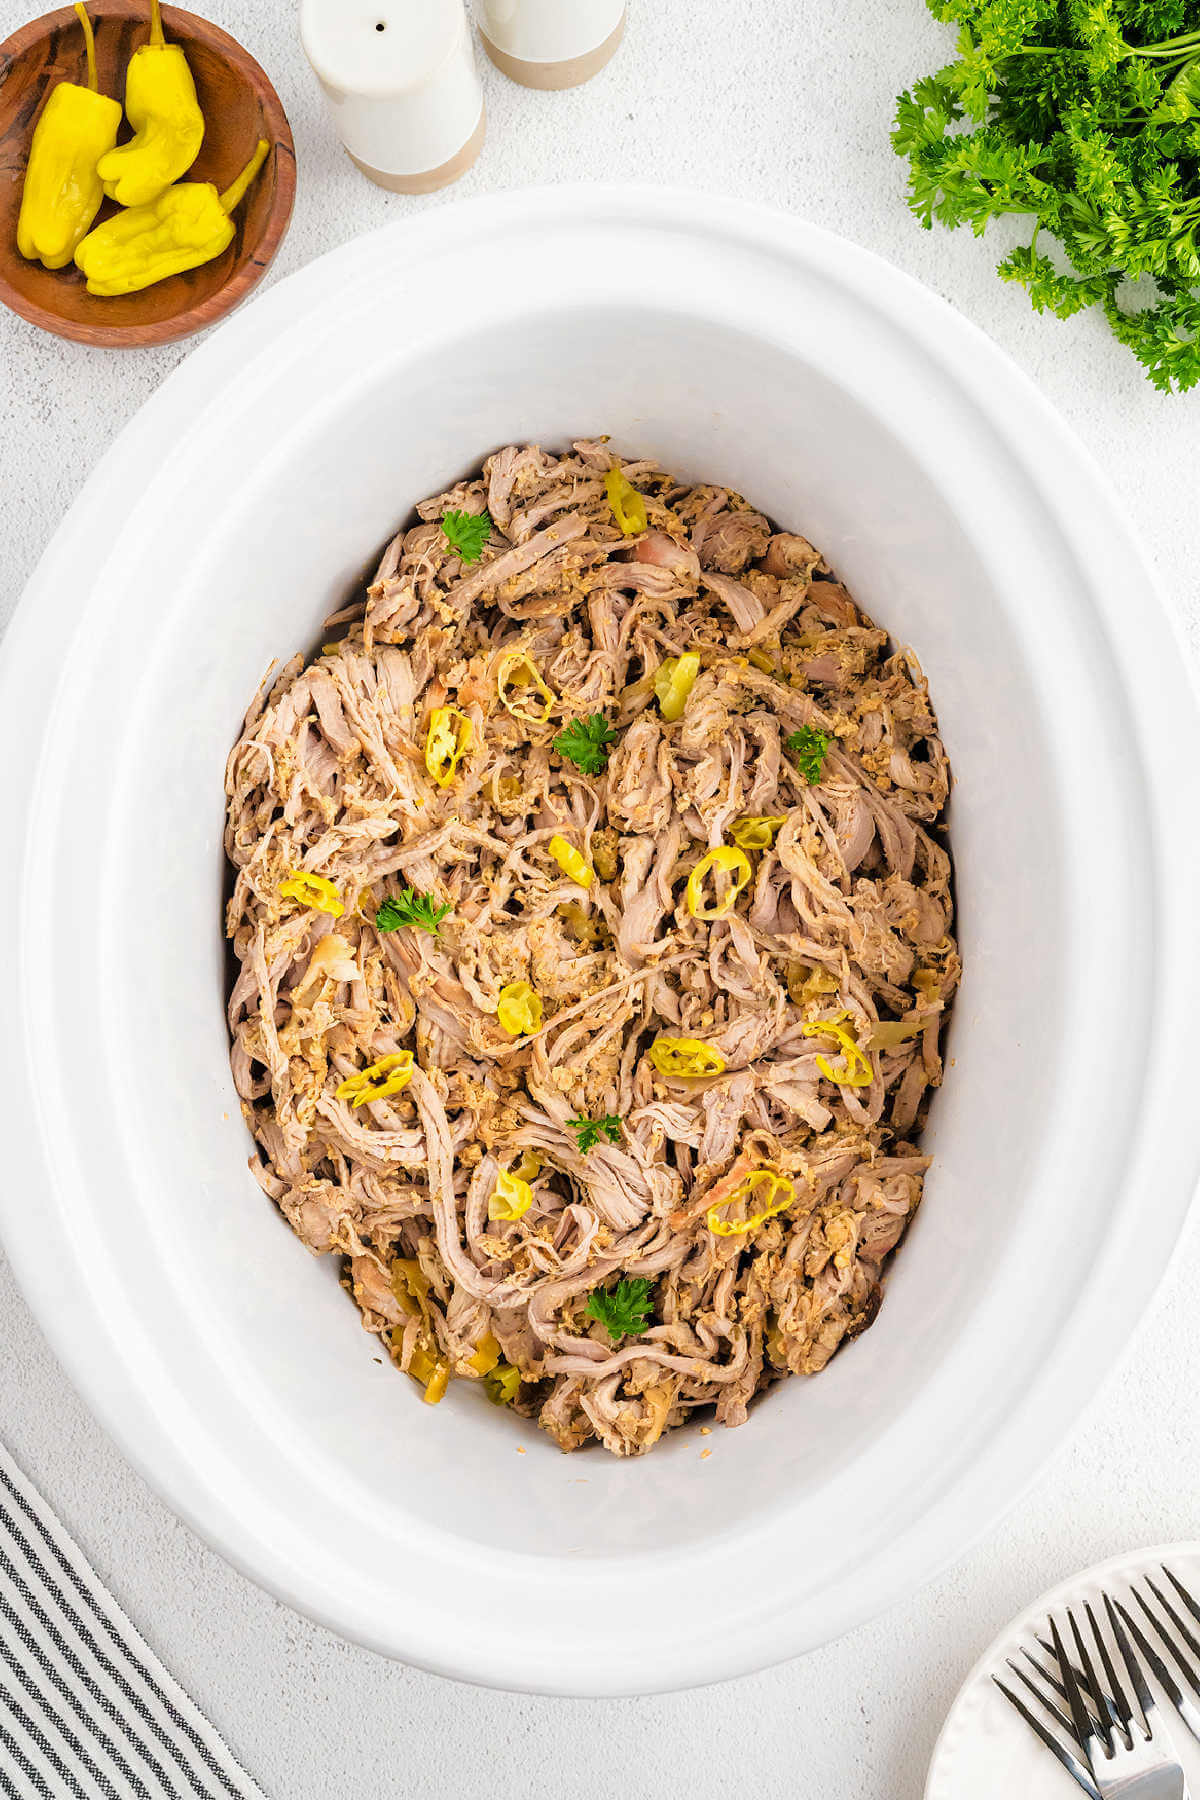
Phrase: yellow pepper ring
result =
(858, 1071)
(628, 506)
(689, 1057)
(519, 671)
(314, 891)
(381, 1079)
(726, 862)
(519, 1008)
(511, 1197)
(571, 861)
(674, 680)
(745, 1189)
(756, 832)
(447, 741)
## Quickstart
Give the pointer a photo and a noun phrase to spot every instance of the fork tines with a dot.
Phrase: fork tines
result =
(1185, 1660)
(1109, 1736)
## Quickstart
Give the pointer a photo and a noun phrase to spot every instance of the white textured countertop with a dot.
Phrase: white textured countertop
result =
(786, 101)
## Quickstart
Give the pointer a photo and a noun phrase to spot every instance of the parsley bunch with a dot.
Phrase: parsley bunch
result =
(1083, 115)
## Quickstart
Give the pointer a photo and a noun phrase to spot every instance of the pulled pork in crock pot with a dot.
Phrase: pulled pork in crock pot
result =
(592, 919)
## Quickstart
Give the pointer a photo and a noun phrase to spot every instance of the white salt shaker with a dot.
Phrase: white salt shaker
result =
(401, 85)
(550, 43)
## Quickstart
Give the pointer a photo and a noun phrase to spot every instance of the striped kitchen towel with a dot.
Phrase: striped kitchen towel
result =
(87, 1711)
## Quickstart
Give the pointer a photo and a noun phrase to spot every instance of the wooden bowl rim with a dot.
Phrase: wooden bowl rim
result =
(283, 168)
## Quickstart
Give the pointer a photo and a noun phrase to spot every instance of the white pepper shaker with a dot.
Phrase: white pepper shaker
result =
(550, 43)
(401, 85)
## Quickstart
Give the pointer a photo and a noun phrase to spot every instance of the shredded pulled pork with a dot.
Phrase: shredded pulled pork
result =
(844, 922)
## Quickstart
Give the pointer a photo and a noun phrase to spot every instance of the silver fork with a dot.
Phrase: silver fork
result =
(1121, 1755)
(1183, 1703)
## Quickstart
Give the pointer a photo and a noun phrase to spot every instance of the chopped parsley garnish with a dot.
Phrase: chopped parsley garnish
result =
(585, 742)
(467, 533)
(588, 1132)
(809, 747)
(624, 1310)
(410, 908)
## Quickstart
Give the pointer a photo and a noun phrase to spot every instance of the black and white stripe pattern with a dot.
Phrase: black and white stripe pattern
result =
(87, 1711)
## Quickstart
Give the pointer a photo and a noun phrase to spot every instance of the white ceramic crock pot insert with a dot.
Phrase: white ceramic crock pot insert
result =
(852, 406)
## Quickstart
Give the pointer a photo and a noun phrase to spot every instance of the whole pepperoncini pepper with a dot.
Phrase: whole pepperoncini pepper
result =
(62, 192)
(161, 105)
(183, 228)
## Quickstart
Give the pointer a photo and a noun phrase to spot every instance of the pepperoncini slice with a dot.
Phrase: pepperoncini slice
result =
(487, 1355)
(723, 861)
(437, 1384)
(762, 1185)
(410, 1284)
(572, 862)
(686, 1056)
(447, 741)
(527, 1165)
(381, 1079)
(427, 1367)
(889, 1034)
(161, 105)
(501, 1384)
(314, 891)
(511, 1197)
(857, 1070)
(62, 192)
(628, 506)
(521, 688)
(519, 1009)
(674, 680)
(756, 832)
(804, 984)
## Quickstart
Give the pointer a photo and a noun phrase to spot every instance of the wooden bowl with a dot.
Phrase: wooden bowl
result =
(239, 106)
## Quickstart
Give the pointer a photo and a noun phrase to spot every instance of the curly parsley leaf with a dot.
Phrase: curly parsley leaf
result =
(809, 747)
(585, 743)
(625, 1310)
(467, 533)
(588, 1132)
(1084, 118)
(420, 911)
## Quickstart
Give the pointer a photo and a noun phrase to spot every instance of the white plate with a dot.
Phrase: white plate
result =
(986, 1752)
